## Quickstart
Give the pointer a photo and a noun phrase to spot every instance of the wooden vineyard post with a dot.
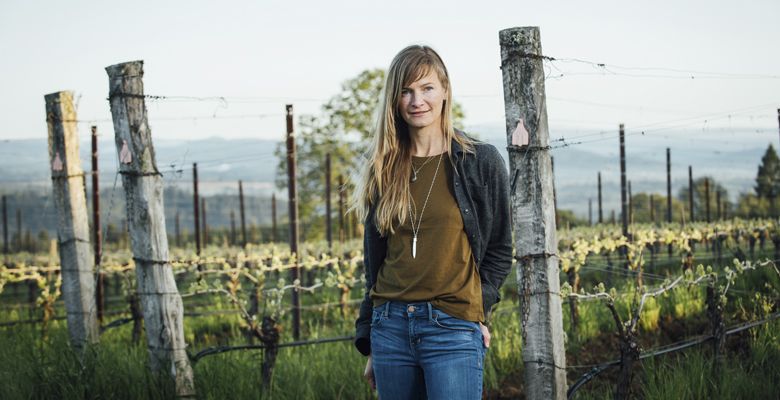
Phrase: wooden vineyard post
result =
(533, 215)
(293, 214)
(97, 232)
(328, 224)
(601, 214)
(241, 213)
(555, 195)
(76, 258)
(204, 224)
(623, 200)
(630, 205)
(707, 199)
(669, 192)
(232, 228)
(5, 226)
(196, 208)
(690, 192)
(342, 229)
(274, 236)
(160, 300)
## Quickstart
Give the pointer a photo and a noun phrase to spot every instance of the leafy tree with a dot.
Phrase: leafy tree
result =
(750, 205)
(768, 177)
(342, 129)
(640, 204)
(699, 199)
(567, 219)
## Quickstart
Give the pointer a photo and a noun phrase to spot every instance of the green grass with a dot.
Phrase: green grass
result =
(36, 368)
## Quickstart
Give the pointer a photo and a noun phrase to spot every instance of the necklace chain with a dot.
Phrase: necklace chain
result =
(416, 230)
(415, 171)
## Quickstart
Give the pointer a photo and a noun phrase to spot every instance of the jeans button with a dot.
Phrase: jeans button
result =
(410, 309)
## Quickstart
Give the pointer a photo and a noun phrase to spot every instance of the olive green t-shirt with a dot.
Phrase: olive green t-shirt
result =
(443, 271)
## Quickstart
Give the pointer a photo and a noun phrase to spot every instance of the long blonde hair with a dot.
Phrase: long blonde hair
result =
(384, 178)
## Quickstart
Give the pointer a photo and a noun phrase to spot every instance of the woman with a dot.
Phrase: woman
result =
(437, 239)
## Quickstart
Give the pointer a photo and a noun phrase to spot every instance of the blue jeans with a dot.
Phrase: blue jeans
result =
(420, 352)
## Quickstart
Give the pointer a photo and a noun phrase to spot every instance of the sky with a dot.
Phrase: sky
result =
(676, 68)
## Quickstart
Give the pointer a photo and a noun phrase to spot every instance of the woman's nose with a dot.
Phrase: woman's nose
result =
(417, 100)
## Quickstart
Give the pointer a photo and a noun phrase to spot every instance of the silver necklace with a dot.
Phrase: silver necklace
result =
(415, 171)
(416, 230)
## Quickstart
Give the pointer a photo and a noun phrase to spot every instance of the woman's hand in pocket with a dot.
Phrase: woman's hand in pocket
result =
(369, 373)
(485, 334)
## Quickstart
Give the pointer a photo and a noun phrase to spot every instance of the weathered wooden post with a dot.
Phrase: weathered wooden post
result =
(342, 228)
(204, 223)
(196, 208)
(70, 200)
(601, 214)
(328, 227)
(293, 216)
(232, 228)
(623, 198)
(555, 195)
(624, 206)
(5, 226)
(241, 213)
(707, 199)
(669, 192)
(160, 299)
(533, 215)
(690, 192)
(274, 235)
(97, 237)
(630, 205)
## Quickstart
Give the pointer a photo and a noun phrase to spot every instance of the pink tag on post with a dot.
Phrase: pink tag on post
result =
(125, 157)
(56, 165)
(520, 136)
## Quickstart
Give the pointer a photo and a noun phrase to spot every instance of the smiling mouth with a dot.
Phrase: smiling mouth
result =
(418, 113)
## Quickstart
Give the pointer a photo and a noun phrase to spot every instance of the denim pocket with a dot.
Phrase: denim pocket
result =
(446, 321)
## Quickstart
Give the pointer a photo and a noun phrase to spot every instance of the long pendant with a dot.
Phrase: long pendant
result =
(414, 247)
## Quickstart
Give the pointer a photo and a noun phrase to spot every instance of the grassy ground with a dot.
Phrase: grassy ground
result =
(36, 367)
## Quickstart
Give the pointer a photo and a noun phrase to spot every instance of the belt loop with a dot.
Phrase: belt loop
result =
(387, 309)
(430, 311)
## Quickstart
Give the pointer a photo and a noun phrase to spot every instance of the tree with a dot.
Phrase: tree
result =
(343, 129)
(751, 206)
(699, 196)
(568, 219)
(768, 178)
(640, 203)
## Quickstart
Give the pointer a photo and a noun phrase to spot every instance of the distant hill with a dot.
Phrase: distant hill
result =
(222, 162)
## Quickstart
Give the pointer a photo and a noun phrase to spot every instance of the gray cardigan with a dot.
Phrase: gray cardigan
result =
(482, 193)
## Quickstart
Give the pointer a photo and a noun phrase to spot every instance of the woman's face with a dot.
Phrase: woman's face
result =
(421, 102)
